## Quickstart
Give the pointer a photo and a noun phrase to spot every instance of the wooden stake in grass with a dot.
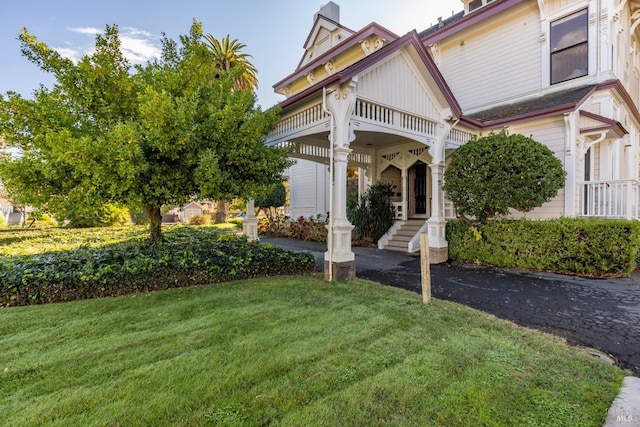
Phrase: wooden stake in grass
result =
(425, 268)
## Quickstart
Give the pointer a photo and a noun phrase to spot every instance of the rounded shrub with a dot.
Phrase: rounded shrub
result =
(199, 220)
(489, 175)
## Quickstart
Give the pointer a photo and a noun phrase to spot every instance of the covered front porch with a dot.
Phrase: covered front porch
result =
(371, 100)
(385, 143)
(607, 155)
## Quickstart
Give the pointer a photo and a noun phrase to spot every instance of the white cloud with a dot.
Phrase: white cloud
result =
(138, 46)
(73, 54)
(139, 50)
(85, 30)
(134, 31)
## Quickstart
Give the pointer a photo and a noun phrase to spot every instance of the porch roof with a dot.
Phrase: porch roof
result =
(547, 105)
(553, 103)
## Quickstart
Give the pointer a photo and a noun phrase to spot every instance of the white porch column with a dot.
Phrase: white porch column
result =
(571, 157)
(629, 156)
(438, 246)
(405, 193)
(339, 260)
(250, 222)
(436, 224)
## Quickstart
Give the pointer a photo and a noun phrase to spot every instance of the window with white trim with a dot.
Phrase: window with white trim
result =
(570, 47)
(472, 5)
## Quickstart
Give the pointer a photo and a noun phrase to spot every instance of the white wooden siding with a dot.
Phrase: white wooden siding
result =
(395, 82)
(557, 6)
(496, 62)
(551, 133)
(309, 189)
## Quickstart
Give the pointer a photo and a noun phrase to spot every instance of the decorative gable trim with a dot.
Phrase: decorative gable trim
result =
(369, 30)
(330, 25)
(409, 39)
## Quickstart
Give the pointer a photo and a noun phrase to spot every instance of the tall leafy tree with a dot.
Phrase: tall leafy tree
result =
(227, 58)
(145, 136)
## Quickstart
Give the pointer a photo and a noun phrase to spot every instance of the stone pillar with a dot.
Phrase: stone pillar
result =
(339, 261)
(250, 223)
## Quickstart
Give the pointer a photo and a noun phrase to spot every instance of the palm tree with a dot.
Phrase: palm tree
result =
(227, 56)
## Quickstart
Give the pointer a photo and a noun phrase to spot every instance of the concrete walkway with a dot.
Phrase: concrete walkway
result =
(603, 314)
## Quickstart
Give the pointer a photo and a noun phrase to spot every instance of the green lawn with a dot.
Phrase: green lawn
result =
(289, 351)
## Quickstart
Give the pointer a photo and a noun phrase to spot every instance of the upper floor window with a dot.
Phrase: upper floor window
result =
(569, 47)
(476, 4)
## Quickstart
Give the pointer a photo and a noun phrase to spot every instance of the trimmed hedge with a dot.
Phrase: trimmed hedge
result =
(584, 247)
(189, 257)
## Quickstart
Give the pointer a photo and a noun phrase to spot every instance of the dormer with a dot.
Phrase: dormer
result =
(325, 34)
(473, 5)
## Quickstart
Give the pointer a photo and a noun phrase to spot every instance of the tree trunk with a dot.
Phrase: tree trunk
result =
(155, 217)
(221, 212)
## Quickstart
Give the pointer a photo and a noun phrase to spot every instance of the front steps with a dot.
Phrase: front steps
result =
(399, 239)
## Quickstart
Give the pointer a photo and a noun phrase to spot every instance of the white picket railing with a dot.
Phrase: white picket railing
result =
(376, 113)
(307, 117)
(609, 199)
(366, 111)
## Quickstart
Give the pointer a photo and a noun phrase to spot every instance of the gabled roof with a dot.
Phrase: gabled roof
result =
(409, 39)
(193, 204)
(317, 25)
(369, 30)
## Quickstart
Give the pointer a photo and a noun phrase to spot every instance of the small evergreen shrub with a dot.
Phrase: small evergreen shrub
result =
(107, 215)
(237, 221)
(275, 198)
(490, 175)
(585, 247)
(139, 218)
(373, 215)
(190, 256)
(44, 221)
(199, 220)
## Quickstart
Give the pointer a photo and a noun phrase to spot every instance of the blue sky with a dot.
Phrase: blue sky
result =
(273, 30)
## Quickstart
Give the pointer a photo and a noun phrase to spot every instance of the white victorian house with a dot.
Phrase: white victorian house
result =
(566, 72)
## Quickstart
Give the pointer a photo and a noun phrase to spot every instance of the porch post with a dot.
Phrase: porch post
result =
(572, 155)
(250, 222)
(438, 246)
(405, 193)
(339, 260)
(436, 224)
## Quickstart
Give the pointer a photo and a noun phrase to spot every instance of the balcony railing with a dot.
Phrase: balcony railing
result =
(609, 199)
